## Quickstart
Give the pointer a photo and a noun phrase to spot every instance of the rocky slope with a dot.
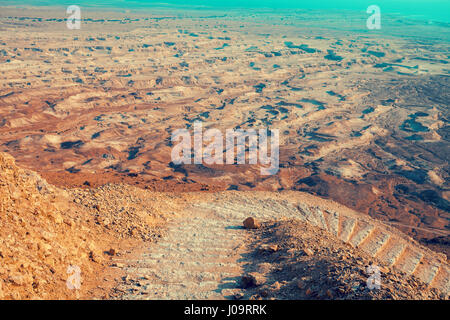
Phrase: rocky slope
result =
(207, 254)
(131, 243)
(43, 232)
(295, 260)
(363, 117)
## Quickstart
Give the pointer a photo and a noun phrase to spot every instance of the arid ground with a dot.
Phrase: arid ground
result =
(362, 115)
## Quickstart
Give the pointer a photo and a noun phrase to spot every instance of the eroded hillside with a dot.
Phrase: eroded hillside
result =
(363, 118)
(43, 231)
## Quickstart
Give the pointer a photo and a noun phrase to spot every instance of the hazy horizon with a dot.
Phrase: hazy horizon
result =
(434, 10)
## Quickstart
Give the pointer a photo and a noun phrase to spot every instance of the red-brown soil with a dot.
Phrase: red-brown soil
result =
(89, 107)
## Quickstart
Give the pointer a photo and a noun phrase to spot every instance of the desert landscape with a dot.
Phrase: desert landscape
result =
(364, 148)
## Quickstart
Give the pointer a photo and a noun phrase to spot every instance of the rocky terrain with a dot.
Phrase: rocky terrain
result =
(363, 122)
(363, 117)
(314, 249)
(44, 230)
(137, 244)
(294, 260)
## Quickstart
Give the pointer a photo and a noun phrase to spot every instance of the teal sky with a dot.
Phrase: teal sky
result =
(438, 10)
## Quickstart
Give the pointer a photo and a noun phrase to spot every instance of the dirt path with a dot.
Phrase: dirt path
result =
(204, 255)
(198, 259)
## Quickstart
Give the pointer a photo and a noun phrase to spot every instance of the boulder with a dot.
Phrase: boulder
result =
(251, 223)
(252, 279)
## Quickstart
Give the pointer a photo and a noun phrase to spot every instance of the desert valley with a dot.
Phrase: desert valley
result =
(363, 128)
